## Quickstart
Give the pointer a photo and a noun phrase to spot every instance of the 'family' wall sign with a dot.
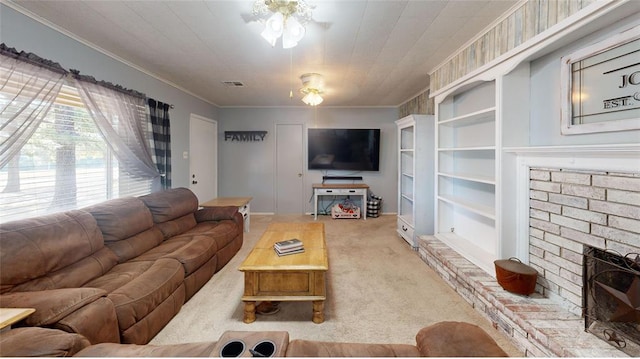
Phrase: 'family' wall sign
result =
(244, 136)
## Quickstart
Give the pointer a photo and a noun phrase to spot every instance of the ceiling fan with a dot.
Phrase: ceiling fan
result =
(286, 18)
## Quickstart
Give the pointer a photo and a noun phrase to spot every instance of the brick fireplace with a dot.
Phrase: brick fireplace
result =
(573, 212)
(572, 209)
(612, 298)
(567, 204)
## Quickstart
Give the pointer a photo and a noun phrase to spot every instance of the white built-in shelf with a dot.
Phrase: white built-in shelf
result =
(467, 153)
(477, 148)
(485, 211)
(407, 196)
(472, 252)
(407, 218)
(415, 177)
(484, 115)
(469, 177)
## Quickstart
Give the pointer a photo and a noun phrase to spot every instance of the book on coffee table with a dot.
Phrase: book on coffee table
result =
(289, 244)
(288, 252)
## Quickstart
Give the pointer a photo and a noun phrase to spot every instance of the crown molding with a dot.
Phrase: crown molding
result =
(11, 4)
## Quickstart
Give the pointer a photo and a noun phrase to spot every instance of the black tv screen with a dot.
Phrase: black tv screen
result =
(344, 149)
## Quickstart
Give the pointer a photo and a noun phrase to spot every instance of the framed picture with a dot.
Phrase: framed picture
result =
(601, 86)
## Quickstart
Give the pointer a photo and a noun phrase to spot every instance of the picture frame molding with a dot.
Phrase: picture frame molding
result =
(568, 127)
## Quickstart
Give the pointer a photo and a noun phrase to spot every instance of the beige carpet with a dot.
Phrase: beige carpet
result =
(379, 290)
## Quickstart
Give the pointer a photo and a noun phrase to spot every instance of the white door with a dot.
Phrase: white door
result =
(289, 169)
(203, 157)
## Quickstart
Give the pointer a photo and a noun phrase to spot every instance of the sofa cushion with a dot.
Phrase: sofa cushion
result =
(121, 218)
(136, 245)
(51, 305)
(137, 288)
(32, 248)
(456, 339)
(74, 275)
(192, 251)
(127, 227)
(20, 342)
(96, 321)
(146, 328)
(170, 204)
(222, 232)
(177, 226)
(309, 348)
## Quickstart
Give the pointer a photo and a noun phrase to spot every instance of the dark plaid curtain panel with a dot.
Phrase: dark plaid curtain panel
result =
(159, 113)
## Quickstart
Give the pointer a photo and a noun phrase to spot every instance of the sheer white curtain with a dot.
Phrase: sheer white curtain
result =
(27, 92)
(122, 120)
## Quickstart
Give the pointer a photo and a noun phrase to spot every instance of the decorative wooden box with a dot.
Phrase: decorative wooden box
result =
(337, 212)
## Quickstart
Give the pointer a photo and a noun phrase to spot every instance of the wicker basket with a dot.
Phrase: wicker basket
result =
(515, 276)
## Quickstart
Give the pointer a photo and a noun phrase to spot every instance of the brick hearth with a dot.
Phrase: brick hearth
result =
(536, 325)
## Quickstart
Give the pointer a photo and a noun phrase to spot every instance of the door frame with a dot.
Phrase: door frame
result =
(193, 116)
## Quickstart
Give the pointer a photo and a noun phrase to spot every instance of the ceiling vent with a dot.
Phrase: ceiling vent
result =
(233, 83)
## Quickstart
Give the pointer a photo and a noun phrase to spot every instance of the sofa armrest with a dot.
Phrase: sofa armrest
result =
(456, 339)
(188, 350)
(311, 348)
(217, 213)
(51, 305)
(41, 342)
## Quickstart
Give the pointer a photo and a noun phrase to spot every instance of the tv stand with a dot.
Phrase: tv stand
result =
(340, 189)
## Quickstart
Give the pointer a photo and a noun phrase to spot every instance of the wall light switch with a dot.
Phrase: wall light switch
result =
(185, 155)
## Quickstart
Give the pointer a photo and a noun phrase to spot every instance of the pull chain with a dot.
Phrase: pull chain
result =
(291, 74)
(315, 116)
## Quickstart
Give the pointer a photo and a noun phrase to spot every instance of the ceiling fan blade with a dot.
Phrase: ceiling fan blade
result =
(249, 17)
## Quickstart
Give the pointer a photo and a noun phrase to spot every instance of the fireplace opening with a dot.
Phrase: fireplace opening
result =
(611, 298)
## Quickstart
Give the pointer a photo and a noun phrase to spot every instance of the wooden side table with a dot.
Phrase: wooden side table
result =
(9, 316)
(243, 204)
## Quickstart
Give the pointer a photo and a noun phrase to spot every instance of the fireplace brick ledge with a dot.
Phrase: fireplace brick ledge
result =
(536, 325)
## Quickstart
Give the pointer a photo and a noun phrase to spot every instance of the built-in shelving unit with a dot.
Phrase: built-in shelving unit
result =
(466, 172)
(475, 206)
(415, 177)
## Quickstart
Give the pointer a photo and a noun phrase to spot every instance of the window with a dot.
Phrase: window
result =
(66, 164)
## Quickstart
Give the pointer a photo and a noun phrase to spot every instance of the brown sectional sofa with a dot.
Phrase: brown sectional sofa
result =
(117, 271)
(444, 339)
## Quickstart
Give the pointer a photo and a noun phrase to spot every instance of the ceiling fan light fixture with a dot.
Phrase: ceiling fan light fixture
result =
(286, 19)
(293, 32)
(312, 98)
(312, 84)
(273, 28)
(312, 80)
(275, 23)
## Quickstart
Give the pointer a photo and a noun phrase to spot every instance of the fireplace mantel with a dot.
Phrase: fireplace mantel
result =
(625, 149)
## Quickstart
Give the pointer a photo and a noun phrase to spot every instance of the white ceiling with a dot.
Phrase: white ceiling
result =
(370, 52)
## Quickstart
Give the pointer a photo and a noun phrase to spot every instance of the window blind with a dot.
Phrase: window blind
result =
(66, 164)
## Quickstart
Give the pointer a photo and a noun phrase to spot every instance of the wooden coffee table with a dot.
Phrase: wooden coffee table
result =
(296, 277)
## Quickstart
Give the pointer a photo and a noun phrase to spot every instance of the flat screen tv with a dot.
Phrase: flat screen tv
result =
(346, 149)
